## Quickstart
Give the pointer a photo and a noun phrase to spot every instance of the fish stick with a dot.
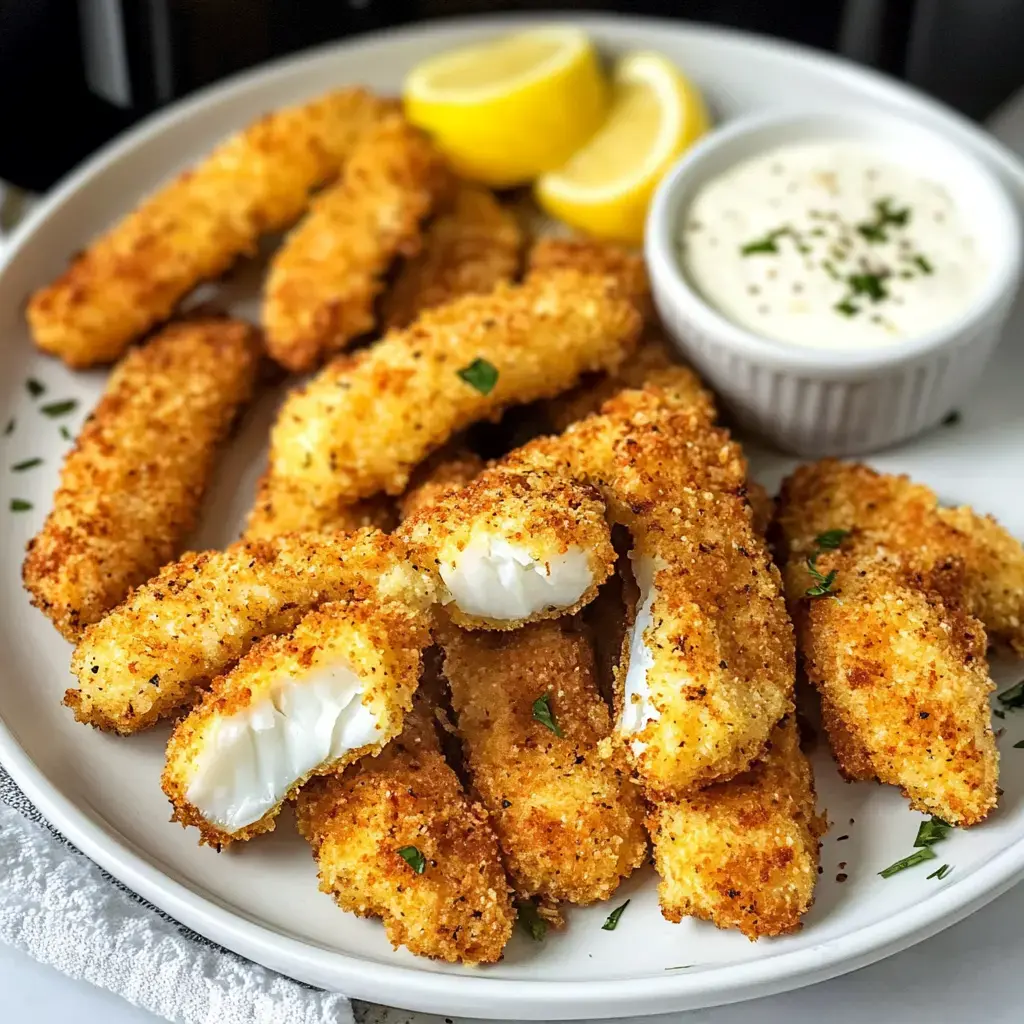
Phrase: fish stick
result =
(408, 799)
(324, 280)
(569, 822)
(895, 515)
(309, 702)
(444, 472)
(470, 247)
(744, 853)
(130, 488)
(154, 654)
(195, 227)
(364, 423)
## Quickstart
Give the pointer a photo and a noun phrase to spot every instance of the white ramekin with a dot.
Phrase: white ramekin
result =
(827, 401)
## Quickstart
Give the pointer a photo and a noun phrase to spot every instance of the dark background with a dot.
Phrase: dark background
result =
(73, 73)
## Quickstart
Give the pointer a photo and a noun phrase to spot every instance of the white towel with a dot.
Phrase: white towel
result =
(64, 910)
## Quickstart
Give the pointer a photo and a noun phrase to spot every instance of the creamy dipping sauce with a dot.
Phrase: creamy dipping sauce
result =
(830, 245)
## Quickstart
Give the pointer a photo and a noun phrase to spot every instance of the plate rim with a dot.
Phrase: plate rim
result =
(424, 989)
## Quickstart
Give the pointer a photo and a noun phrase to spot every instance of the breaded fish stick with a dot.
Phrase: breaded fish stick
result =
(744, 853)
(324, 280)
(194, 228)
(364, 423)
(130, 488)
(407, 799)
(312, 701)
(442, 474)
(471, 246)
(155, 653)
(902, 518)
(530, 718)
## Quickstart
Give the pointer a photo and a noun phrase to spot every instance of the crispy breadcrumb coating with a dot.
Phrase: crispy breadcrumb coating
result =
(471, 246)
(365, 422)
(194, 228)
(743, 854)
(892, 515)
(130, 488)
(324, 280)
(459, 909)
(570, 823)
(156, 652)
(256, 737)
(280, 508)
(444, 472)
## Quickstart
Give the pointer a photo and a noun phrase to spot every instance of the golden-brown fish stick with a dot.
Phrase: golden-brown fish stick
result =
(194, 228)
(310, 702)
(530, 717)
(904, 519)
(452, 905)
(324, 280)
(743, 854)
(365, 422)
(445, 471)
(471, 246)
(130, 488)
(156, 652)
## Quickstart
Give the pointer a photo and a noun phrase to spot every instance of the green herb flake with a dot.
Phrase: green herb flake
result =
(932, 831)
(613, 918)
(998, 713)
(55, 409)
(831, 539)
(846, 307)
(480, 375)
(412, 856)
(1019, 745)
(529, 917)
(20, 467)
(34, 387)
(871, 285)
(917, 857)
(65, 433)
(822, 582)
(1013, 697)
(923, 264)
(940, 873)
(542, 713)
(951, 419)
(20, 505)
(9, 429)
(768, 244)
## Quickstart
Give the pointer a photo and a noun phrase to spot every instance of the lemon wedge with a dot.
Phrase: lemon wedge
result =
(507, 110)
(605, 188)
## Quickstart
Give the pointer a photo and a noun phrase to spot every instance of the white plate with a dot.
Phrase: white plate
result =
(262, 901)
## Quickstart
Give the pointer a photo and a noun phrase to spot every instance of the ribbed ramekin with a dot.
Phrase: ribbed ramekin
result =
(823, 401)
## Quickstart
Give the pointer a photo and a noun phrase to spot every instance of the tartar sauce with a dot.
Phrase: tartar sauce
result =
(831, 245)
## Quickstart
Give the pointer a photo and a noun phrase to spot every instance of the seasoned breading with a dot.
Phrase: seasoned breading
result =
(743, 854)
(515, 544)
(365, 422)
(279, 508)
(712, 662)
(194, 228)
(130, 488)
(155, 653)
(324, 280)
(903, 677)
(892, 515)
(459, 909)
(570, 823)
(444, 472)
(313, 701)
(471, 246)
(762, 507)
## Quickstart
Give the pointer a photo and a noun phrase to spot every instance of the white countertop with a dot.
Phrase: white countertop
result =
(971, 972)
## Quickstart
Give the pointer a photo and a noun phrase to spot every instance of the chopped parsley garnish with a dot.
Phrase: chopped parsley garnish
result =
(412, 856)
(886, 215)
(65, 433)
(55, 409)
(9, 429)
(831, 539)
(822, 582)
(932, 831)
(766, 244)
(34, 387)
(19, 467)
(917, 857)
(998, 713)
(480, 375)
(871, 285)
(923, 264)
(613, 918)
(531, 920)
(1013, 697)
(20, 505)
(542, 713)
(940, 873)
(846, 307)
(1019, 745)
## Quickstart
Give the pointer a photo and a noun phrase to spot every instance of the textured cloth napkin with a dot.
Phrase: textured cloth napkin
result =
(64, 910)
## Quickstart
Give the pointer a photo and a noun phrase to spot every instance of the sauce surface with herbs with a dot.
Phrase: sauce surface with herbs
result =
(830, 245)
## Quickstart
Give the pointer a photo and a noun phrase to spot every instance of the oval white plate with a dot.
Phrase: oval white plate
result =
(262, 901)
